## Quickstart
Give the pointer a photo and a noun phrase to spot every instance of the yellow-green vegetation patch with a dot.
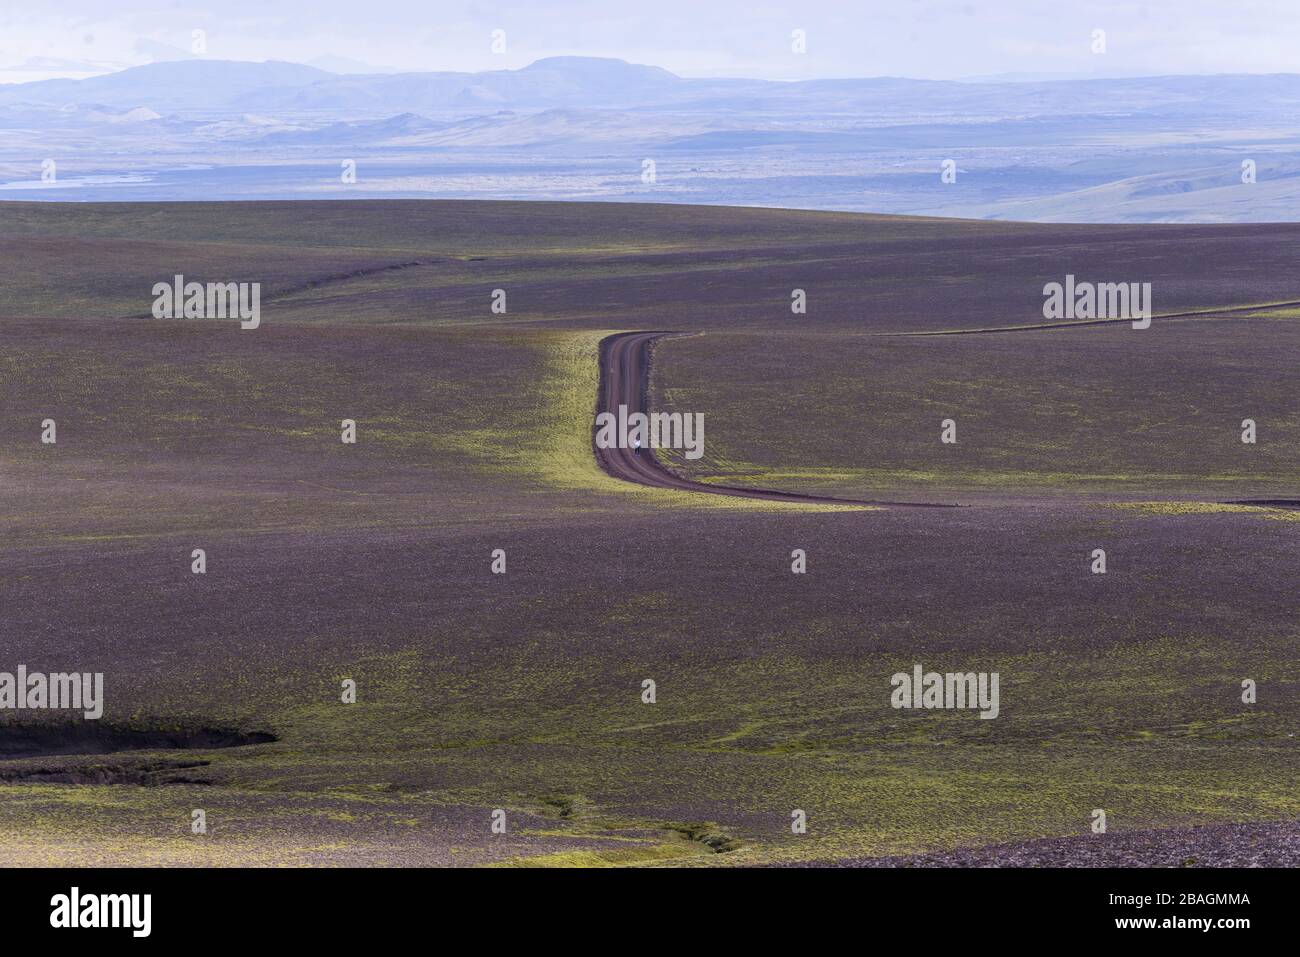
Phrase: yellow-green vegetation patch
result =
(654, 854)
(560, 446)
(1151, 730)
(1202, 508)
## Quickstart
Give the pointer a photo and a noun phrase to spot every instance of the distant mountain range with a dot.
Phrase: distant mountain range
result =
(205, 86)
(1133, 148)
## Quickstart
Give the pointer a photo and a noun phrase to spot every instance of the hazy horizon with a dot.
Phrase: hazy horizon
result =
(340, 66)
(971, 109)
(923, 39)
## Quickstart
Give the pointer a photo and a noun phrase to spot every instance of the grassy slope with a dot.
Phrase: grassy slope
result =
(522, 692)
(1106, 412)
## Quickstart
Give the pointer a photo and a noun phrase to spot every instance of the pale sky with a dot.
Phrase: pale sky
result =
(941, 39)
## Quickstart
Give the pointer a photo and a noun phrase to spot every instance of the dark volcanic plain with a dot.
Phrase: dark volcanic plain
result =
(522, 691)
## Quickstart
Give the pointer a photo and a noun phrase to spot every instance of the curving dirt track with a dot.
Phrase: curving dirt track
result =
(625, 380)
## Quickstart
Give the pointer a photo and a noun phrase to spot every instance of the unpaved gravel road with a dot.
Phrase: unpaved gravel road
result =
(625, 380)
